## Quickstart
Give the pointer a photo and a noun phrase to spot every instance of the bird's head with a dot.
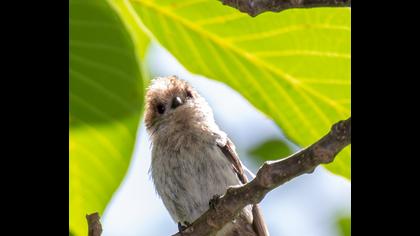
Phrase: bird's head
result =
(172, 103)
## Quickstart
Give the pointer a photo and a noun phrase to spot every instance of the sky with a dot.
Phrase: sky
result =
(307, 205)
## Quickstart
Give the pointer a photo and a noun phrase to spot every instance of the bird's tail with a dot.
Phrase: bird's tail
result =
(258, 222)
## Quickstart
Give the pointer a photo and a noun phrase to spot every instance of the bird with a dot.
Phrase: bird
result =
(193, 161)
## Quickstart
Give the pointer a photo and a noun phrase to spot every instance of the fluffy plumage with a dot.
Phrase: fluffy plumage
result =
(192, 159)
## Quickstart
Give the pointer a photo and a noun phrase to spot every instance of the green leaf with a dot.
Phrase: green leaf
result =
(344, 225)
(271, 150)
(294, 66)
(132, 22)
(106, 101)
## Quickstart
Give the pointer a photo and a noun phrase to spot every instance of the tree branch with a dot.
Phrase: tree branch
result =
(94, 225)
(255, 7)
(271, 175)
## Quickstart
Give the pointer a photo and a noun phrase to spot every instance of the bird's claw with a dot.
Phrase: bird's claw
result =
(213, 201)
(182, 227)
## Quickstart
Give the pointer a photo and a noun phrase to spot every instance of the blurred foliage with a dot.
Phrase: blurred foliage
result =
(106, 100)
(293, 66)
(273, 149)
(344, 224)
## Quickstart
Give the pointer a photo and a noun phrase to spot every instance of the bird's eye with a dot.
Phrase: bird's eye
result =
(189, 94)
(160, 108)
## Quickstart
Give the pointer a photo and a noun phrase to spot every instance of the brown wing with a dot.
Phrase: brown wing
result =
(228, 149)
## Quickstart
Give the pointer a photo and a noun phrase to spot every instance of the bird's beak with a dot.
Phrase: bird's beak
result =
(176, 102)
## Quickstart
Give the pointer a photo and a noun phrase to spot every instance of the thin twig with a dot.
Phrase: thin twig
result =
(94, 225)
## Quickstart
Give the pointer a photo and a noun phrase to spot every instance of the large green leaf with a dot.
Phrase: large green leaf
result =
(106, 100)
(294, 65)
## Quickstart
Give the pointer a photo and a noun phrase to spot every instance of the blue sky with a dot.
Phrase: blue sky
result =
(307, 205)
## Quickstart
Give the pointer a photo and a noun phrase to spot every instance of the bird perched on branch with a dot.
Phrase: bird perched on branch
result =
(193, 161)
